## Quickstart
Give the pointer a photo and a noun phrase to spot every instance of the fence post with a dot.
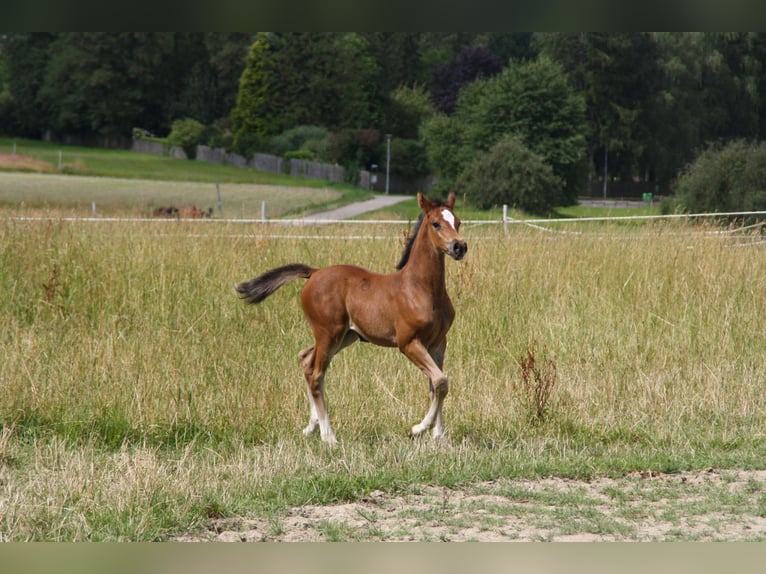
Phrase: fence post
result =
(505, 218)
(263, 211)
(220, 203)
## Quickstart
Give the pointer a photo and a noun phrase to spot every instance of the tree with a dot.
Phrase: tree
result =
(324, 78)
(531, 100)
(447, 155)
(105, 83)
(709, 91)
(250, 116)
(447, 80)
(409, 107)
(398, 58)
(26, 57)
(617, 74)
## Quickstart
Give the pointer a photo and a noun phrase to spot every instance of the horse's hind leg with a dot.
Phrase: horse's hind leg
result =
(306, 357)
(315, 360)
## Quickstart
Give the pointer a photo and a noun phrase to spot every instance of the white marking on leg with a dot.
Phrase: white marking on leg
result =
(448, 217)
(433, 419)
(313, 419)
(325, 430)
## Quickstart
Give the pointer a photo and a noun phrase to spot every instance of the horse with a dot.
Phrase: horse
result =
(170, 211)
(408, 309)
(194, 212)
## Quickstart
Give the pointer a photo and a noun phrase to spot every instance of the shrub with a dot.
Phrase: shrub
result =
(186, 133)
(725, 178)
(218, 134)
(511, 174)
(354, 149)
(311, 138)
(408, 157)
(299, 154)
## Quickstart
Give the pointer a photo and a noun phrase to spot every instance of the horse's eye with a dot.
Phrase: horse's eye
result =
(437, 225)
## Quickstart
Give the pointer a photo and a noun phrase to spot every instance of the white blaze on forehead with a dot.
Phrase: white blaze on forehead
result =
(448, 217)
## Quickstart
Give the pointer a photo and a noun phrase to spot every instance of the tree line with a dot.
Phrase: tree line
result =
(546, 111)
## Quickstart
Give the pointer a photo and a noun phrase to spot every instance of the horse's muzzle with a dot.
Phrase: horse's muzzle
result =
(457, 249)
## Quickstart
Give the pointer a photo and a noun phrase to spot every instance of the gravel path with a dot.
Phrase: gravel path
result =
(354, 209)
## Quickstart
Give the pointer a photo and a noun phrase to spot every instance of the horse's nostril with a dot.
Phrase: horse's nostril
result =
(459, 249)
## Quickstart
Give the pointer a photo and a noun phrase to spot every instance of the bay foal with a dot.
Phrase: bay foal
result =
(409, 309)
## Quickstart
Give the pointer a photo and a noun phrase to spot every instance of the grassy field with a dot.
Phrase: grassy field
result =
(125, 183)
(140, 399)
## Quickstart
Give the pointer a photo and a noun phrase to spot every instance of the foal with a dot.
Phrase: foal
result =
(408, 309)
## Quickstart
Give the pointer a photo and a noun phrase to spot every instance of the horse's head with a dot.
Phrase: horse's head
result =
(442, 226)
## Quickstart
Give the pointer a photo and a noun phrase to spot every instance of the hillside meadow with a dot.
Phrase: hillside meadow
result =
(140, 399)
(44, 177)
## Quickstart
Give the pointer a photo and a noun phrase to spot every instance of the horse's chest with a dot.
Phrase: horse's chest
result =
(436, 317)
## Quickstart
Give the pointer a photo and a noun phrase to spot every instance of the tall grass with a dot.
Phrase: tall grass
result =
(139, 397)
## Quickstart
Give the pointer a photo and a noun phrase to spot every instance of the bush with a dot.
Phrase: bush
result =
(725, 178)
(408, 157)
(186, 134)
(311, 138)
(299, 154)
(218, 134)
(511, 174)
(354, 149)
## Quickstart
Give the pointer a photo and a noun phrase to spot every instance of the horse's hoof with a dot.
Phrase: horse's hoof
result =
(416, 430)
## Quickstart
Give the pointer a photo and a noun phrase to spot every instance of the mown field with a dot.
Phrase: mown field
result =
(125, 183)
(141, 400)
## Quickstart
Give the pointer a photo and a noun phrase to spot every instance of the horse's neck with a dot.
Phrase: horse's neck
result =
(426, 264)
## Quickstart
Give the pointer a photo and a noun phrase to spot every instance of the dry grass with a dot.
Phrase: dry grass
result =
(138, 396)
(70, 195)
(23, 163)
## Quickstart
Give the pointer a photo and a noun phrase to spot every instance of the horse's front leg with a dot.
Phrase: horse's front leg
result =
(437, 354)
(438, 384)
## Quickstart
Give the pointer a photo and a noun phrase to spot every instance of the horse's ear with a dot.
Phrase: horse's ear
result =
(423, 202)
(450, 200)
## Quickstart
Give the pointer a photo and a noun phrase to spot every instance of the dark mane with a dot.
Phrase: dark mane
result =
(410, 242)
(414, 234)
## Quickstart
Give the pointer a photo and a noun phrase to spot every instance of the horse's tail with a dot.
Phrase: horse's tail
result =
(256, 290)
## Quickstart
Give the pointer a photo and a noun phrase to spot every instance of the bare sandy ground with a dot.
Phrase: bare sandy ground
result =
(707, 505)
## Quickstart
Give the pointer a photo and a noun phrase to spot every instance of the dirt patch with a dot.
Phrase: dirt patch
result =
(18, 162)
(707, 505)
